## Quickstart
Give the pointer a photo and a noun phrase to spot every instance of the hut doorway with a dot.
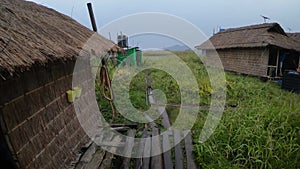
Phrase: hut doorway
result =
(273, 65)
(281, 60)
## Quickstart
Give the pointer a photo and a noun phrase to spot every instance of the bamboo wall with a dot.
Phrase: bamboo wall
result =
(252, 61)
(39, 124)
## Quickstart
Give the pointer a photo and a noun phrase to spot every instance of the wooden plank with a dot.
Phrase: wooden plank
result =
(108, 141)
(120, 129)
(277, 62)
(139, 161)
(124, 125)
(151, 121)
(86, 157)
(96, 160)
(156, 161)
(151, 99)
(88, 154)
(112, 144)
(105, 139)
(147, 154)
(167, 152)
(80, 166)
(99, 136)
(128, 149)
(106, 163)
(75, 162)
(187, 107)
(189, 152)
(178, 150)
(98, 157)
(165, 117)
(116, 140)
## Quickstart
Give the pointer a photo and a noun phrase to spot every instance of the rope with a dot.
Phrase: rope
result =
(106, 86)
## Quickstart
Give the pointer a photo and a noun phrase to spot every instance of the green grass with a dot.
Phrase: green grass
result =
(259, 128)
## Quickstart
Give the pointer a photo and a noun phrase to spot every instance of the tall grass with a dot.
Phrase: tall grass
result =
(260, 127)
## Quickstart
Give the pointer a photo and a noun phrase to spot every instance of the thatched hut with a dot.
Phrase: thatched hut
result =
(263, 50)
(38, 49)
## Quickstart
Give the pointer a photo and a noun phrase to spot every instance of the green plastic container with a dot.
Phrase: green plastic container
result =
(130, 57)
(71, 94)
(77, 91)
(139, 56)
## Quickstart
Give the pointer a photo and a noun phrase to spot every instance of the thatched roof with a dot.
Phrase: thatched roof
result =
(295, 36)
(261, 35)
(33, 34)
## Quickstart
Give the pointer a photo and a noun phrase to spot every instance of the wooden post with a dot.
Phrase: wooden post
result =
(167, 155)
(178, 150)
(189, 151)
(299, 59)
(156, 161)
(277, 60)
(93, 21)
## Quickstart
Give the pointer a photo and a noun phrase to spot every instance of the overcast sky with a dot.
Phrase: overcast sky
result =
(206, 15)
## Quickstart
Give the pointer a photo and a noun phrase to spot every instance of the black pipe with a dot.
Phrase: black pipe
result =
(90, 8)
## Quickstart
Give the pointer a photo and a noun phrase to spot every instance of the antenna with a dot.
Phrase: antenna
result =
(265, 18)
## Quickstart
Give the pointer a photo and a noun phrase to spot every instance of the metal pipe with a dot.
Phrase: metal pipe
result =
(90, 8)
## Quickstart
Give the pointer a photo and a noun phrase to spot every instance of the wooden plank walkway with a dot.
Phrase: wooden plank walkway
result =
(97, 158)
(140, 161)
(157, 151)
(189, 152)
(128, 149)
(168, 137)
(156, 160)
(168, 163)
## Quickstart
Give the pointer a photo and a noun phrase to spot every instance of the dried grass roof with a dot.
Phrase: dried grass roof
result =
(295, 36)
(33, 34)
(261, 35)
